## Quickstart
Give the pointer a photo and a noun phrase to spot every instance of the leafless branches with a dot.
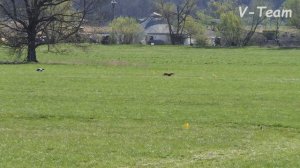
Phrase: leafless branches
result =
(175, 16)
(31, 23)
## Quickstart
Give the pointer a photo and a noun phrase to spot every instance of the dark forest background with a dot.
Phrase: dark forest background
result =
(142, 8)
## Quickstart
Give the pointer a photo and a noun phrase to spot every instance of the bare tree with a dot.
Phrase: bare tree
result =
(175, 16)
(28, 23)
(255, 20)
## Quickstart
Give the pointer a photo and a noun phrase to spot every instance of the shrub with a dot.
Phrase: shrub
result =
(125, 30)
(195, 30)
(230, 28)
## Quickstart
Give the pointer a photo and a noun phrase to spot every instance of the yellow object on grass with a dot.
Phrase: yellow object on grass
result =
(186, 125)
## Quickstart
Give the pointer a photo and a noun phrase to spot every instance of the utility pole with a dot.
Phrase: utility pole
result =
(113, 5)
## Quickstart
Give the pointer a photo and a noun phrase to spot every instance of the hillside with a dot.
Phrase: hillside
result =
(142, 8)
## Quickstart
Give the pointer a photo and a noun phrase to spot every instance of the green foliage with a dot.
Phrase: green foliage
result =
(167, 9)
(231, 28)
(217, 8)
(192, 27)
(203, 18)
(196, 31)
(125, 30)
(294, 5)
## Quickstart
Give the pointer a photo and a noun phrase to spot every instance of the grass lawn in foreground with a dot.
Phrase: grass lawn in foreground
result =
(110, 106)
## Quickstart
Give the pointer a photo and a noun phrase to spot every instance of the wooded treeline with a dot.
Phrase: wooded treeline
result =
(142, 8)
(31, 23)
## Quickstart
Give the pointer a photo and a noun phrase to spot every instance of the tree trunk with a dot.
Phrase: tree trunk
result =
(277, 31)
(248, 38)
(170, 32)
(252, 31)
(31, 53)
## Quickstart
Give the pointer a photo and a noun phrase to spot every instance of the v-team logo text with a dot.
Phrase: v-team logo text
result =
(263, 11)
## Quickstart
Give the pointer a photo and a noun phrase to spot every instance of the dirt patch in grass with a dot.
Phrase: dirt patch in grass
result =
(119, 63)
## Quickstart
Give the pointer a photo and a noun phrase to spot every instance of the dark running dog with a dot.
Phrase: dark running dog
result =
(168, 74)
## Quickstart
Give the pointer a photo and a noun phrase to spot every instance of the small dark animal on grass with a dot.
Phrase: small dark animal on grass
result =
(168, 74)
(40, 69)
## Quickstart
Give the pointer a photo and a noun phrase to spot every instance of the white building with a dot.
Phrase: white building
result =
(156, 29)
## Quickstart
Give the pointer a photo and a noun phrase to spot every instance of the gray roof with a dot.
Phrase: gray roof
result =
(155, 24)
(158, 29)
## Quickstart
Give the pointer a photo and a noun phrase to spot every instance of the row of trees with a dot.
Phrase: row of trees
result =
(31, 23)
(239, 31)
(177, 16)
(142, 8)
(186, 18)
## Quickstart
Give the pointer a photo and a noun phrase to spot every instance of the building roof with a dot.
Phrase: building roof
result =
(155, 24)
(157, 29)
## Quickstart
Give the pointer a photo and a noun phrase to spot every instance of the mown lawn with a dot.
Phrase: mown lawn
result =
(110, 106)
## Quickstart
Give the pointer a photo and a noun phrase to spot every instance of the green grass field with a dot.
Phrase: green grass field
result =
(110, 106)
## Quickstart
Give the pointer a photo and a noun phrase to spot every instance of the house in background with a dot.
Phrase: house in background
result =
(156, 29)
